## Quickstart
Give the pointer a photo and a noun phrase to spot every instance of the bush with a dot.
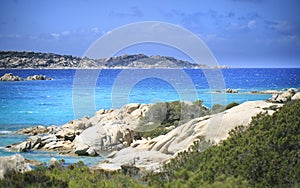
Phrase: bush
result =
(161, 116)
(217, 108)
(233, 104)
(75, 175)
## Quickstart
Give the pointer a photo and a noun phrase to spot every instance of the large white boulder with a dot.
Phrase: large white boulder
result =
(14, 163)
(296, 96)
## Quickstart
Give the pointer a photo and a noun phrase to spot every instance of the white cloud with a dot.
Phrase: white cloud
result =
(10, 36)
(55, 35)
(234, 26)
(210, 37)
(70, 33)
(251, 24)
(213, 38)
(132, 12)
(280, 26)
(282, 40)
(65, 33)
(288, 39)
(95, 30)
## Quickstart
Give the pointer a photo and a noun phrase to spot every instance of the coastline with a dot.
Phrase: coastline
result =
(256, 137)
(161, 156)
(144, 157)
(78, 137)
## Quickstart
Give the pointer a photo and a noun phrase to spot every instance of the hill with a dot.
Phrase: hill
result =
(19, 60)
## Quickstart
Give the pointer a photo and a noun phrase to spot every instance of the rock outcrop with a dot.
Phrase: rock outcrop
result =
(37, 130)
(151, 154)
(229, 90)
(283, 96)
(108, 130)
(52, 161)
(296, 96)
(265, 92)
(15, 163)
(38, 77)
(10, 77)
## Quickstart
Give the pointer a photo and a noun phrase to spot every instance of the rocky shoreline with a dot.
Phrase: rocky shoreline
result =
(112, 131)
(270, 92)
(108, 130)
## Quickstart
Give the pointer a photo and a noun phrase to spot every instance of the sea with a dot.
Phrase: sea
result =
(57, 101)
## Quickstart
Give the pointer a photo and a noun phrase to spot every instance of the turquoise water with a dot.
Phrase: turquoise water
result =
(30, 103)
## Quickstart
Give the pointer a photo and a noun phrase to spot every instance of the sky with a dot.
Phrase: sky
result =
(240, 33)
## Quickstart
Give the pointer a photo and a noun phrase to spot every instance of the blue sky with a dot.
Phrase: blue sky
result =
(240, 33)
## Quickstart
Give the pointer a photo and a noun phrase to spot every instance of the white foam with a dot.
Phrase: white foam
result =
(5, 132)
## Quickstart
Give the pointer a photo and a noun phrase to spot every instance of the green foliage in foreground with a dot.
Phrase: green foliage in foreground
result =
(267, 154)
(75, 175)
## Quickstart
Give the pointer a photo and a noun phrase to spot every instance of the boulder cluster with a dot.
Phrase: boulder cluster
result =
(285, 96)
(229, 90)
(108, 130)
(38, 77)
(12, 77)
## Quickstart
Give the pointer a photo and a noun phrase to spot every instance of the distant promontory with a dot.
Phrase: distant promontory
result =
(23, 60)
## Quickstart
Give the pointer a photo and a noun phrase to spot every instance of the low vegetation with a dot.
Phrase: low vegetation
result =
(217, 108)
(163, 117)
(75, 175)
(266, 154)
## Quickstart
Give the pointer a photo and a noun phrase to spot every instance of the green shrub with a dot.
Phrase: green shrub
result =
(75, 175)
(161, 116)
(217, 108)
(233, 104)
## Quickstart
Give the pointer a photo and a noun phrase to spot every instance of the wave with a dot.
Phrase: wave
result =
(5, 132)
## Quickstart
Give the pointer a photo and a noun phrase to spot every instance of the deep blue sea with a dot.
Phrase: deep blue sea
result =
(53, 102)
